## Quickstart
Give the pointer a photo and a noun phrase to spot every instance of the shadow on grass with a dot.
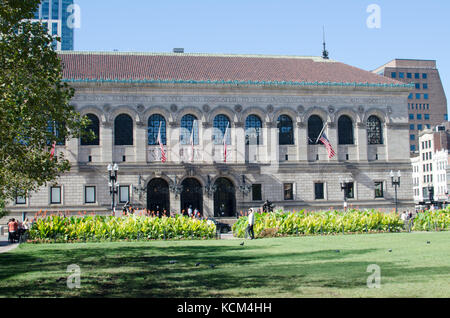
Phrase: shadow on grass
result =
(118, 270)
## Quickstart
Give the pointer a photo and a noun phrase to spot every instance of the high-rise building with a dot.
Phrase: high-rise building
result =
(55, 14)
(427, 104)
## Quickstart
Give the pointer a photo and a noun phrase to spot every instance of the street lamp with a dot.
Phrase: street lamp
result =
(395, 183)
(245, 188)
(345, 185)
(176, 188)
(113, 185)
(210, 188)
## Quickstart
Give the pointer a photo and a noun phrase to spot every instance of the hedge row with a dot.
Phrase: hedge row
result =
(334, 222)
(94, 228)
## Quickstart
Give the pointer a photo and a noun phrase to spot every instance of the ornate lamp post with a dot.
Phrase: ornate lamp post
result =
(176, 188)
(210, 188)
(113, 185)
(395, 183)
(245, 188)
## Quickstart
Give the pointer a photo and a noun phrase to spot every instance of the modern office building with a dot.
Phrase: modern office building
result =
(234, 131)
(57, 16)
(427, 103)
(431, 168)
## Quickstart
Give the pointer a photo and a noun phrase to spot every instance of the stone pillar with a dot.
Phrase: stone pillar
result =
(272, 146)
(173, 145)
(332, 134)
(206, 142)
(140, 147)
(106, 142)
(361, 141)
(239, 142)
(302, 142)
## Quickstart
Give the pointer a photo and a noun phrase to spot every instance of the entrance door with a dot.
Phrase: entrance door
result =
(158, 196)
(192, 195)
(224, 198)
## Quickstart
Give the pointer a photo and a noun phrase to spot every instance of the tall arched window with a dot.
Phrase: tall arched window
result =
(189, 123)
(345, 130)
(93, 127)
(221, 122)
(315, 125)
(154, 122)
(253, 127)
(123, 130)
(286, 130)
(374, 131)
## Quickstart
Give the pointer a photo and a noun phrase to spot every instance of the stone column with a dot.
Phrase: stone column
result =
(140, 147)
(332, 135)
(239, 142)
(361, 141)
(173, 144)
(302, 142)
(206, 142)
(106, 142)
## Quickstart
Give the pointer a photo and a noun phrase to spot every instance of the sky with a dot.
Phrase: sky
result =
(355, 33)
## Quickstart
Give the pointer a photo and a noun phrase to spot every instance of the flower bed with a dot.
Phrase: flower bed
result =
(335, 222)
(57, 228)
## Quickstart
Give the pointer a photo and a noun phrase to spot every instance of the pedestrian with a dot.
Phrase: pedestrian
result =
(12, 230)
(190, 211)
(251, 223)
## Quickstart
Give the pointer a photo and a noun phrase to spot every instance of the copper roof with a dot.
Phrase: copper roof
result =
(200, 68)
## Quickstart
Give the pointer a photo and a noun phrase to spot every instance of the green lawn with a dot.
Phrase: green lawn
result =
(279, 267)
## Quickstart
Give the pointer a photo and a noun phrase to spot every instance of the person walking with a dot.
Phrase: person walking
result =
(251, 223)
(190, 211)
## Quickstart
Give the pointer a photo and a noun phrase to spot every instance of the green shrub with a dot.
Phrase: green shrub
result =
(92, 228)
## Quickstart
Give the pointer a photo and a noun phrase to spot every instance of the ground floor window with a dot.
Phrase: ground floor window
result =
(55, 195)
(379, 193)
(124, 194)
(256, 192)
(21, 200)
(89, 194)
(318, 191)
(288, 191)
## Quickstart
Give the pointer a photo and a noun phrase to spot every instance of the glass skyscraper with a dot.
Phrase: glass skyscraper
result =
(55, 14)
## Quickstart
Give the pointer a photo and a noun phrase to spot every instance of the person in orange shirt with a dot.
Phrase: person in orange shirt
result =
(12, 230)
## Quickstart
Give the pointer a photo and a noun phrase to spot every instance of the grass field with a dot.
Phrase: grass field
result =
(280, 267)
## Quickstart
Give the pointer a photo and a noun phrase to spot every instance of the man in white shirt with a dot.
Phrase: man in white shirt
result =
(251, 223)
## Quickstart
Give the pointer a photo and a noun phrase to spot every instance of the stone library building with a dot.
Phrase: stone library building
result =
(222, 133)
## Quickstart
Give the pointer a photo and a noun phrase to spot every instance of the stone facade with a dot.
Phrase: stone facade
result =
(268, 164)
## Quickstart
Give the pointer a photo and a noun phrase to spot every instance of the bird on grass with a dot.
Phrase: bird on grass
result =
(390, 250)
(242, 244)
(172, 262)
(338, 251)
(197, 264)
(428, 242)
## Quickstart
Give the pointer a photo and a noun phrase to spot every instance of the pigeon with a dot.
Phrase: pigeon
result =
(390, 250)
(242, 244)
(197, 264)
(428, 242)
(338, 251)
(212, 265)
(172, 262)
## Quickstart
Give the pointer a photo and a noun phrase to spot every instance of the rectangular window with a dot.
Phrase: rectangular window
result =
(89, 194)
(425, 96)
(424, 76)
(408, 75)
(318, 191)
(412, 148)
(416, 75)
(425, 86)
(428, 126)
(411, 116)
(288, 191)
(351, 192)
(379, 190)
(427, 116)
(417, 85)
(55, 195)
(393, 75)
(411, 127)
(256, 192)
(446, 117)
(417, 96)
(401, 75)
(419, 116)
(419, 127)
(412, 137)
(124, 194)
(410, 96)
(21, 200)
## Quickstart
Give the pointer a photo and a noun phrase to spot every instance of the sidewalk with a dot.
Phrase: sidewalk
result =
(5, 246)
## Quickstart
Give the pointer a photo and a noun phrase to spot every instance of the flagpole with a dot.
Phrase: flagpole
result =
(321, 132)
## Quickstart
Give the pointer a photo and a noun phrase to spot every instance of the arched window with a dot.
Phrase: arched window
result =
(154, 122)
(94, 127)
(315, 126)
(253, 127)
(286, 130)
(345, 130)
(221, 122)
(374, 131)
(123, 130)
(189, 123)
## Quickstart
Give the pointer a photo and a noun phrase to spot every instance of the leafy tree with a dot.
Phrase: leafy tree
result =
(34, 103)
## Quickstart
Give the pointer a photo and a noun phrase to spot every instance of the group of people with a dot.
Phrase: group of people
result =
(407, 217)
(192, 213)
(16, 229)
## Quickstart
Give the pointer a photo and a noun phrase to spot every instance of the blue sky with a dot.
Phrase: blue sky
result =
(409, 28)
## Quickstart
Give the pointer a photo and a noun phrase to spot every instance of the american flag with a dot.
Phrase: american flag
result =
(225, 144)
(327, 144)
(159, 141)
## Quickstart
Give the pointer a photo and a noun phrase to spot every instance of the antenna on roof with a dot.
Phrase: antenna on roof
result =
(324, 52)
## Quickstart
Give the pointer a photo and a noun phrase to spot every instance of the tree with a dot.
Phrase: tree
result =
(34, 103)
